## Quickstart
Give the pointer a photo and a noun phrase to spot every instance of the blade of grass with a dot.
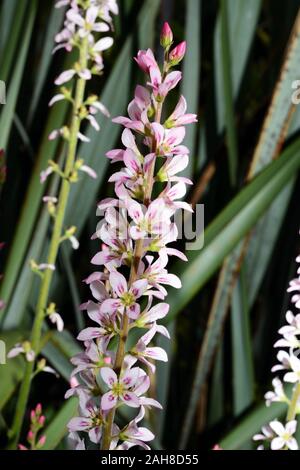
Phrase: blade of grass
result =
(243, 368)
(191, 73)
(13, 33)
(252, 424)
(6, 18)
(57, 429)
(231, 136)
(242, 20)
(7, 114)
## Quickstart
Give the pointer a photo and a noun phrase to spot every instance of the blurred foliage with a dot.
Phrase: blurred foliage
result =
(242, 58)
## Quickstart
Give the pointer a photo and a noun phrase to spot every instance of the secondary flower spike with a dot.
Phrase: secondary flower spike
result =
(275, 435)
(129, 286)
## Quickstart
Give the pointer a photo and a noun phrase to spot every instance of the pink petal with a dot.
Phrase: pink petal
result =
(109, 376)
(130, 399)
(157, 353)
(118, 283)
(79, 424)
(89, 333)
(110, 306)
(98, 290)
(139, 287)
(130, 377)
(108, 401)
(157, 312)
(65, 77)
(133, 311)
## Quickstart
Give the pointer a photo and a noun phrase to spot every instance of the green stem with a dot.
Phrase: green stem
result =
(294, 403)
(53, 251)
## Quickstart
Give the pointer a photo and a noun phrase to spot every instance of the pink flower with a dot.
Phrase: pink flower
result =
(162, 87)
(119, 388)
(145, 60)
(148, 221)
(126, 301)
(167, 140)
(91, 422)
(143, 353)
(178, 117)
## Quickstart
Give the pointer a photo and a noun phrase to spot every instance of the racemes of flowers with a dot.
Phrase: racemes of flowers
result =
(277, 435)
(129, 289)
(37, 421)
(85, 23)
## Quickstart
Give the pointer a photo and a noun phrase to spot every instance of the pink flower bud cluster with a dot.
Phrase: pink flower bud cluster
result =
(277, 435)
(37, 422)
(135, 232)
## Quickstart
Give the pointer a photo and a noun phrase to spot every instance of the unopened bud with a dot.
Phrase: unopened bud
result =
(166, 36)
(177, 54)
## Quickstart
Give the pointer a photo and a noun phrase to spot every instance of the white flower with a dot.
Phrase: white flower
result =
(285, 360)
(52, 199)
(74, 242)
(56, 98)
(277, 395)
(20, 348)
(284, 435)
(45, 173)
(56, 319)
(266, 434)
(44, 266)
(89, 171)
(82, 137)
(293, 376)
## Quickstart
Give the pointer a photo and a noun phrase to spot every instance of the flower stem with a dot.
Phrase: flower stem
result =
(138, 253)
(53, 250)
(292, 411)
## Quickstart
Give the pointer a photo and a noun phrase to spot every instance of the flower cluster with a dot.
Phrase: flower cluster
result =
(37, 422)
(276, 434)
(135, 232)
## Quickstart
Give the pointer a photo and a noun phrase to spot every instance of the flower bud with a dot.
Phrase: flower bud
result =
(38, 408)
(166, 37)
(41, 442)
(177, 54)
(30, 436)
(42, 420)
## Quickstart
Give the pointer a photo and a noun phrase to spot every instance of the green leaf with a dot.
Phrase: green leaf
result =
(243, 368)
(12, 16)
(251, 424)
(6, 18)
(190, 87)
(227, 89)
(57, 429)
(7, 114)
(242, 20)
